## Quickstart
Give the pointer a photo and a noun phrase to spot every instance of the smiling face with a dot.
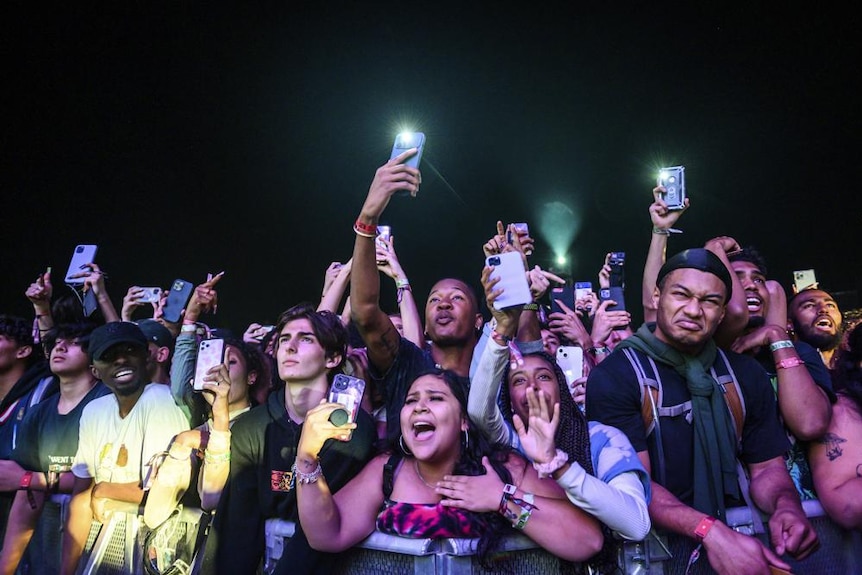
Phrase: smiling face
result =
(432, 420)
(690, 305)
(123, 368)
(450, 313)
(537, 374)
(754, 283)
(816, 319)
(299, 354)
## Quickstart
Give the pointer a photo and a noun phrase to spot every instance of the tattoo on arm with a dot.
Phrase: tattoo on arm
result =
(390, 340)
(833, 447)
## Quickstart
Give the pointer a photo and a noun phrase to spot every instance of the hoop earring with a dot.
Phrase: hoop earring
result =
(404, 447)
(466, 440)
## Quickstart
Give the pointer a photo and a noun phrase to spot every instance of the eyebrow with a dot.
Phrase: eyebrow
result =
(691, 293)
(297, 334)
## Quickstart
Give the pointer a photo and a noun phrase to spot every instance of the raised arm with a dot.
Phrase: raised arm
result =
(736, 317)
(39, 293)
(663, 221)
(389, 264)
(375, 327)
(335, 282)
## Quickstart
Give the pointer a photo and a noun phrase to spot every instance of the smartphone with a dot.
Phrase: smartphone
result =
(582, 290)
(613, 293)
(90, 303)
(150, 295)
(406, 140)
(673, 180)
(178, 297)
(403, 142)
(82, 258)
(521, 228)
(804, 279)
(210, 353)
(384, 234)
(617, 260)
(565, 294)
(347, 391)
(509, 267)
(570, 358)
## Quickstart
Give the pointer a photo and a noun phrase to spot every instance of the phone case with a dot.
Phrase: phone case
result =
(210, 353)
(83, 256)
(582, 289)
(178, 297)
(404, 142)
(804, 279)
(570, 358)
(347, 391)
(90, 303)
(616, 294)
(151, 295)
(565, 295)
(510, 268)
(673, 180)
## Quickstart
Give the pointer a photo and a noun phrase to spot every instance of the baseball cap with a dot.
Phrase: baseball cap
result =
(110, 334)
(157, 333)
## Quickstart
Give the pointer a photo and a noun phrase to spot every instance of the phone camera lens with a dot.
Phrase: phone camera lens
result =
(79, 250)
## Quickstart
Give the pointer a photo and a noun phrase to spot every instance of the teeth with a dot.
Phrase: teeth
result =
(423, 426)
(752, 301)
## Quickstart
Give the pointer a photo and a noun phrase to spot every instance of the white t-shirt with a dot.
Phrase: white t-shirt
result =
(117, 450)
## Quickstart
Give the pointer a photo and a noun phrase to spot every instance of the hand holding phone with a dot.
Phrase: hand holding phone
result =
(563, 294)
(178, 297)
(347, 391)
(804, 279)
(509, 267)
(210, 354)
(406, 141)
(82, 258)
(672, 179)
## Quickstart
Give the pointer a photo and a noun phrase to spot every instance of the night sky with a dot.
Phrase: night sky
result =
(186, 138)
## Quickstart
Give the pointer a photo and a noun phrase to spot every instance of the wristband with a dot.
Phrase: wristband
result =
(26, 480)
(594, 351)
(189, 328)
(402, 283)
(531, 307)
(546, 469)
(704, 526)
(665, 231)
(365, 230)
(497, 336)
(789, 362)
(776, 345)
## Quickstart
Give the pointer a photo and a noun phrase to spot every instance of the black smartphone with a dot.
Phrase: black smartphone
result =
(673, 180)
(565, 294)
(617, 262)
(616, 294)
(178, 297)
(90, 303)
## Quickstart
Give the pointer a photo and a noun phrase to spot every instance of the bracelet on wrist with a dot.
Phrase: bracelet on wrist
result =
(402, 283)
(306, 478)
(531, 307)
(665, 231)
(789, 362)
(214, 458)
(547, 469)
(365, 230)
(781, 344)
(704, 526)
(601, 350)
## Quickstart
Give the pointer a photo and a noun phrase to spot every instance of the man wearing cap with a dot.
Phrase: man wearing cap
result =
(160, 346)
(118, 433)
(699, 445)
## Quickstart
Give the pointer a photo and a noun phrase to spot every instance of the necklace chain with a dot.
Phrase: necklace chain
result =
(419, 473)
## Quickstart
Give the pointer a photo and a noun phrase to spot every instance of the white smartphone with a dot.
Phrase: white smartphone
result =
(804, 279)
(509, 267)
(347, 391)
(405, 141)
(150, 295)
(210, 353)
(570, 358)
(82, 257)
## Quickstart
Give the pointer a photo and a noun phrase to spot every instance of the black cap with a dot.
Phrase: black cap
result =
(699, 259)
(157, 333)
(110, 334)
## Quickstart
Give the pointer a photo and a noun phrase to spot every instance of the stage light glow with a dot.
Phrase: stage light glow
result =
(559, 224)
(561, 260)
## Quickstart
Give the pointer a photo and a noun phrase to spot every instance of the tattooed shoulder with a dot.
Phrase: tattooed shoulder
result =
(834, 448)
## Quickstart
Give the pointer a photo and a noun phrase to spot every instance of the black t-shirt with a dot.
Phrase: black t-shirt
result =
(47, 438)
(813, 363)
(263, 449)
(614, 398)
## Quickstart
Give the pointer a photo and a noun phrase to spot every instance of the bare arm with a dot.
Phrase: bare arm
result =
(77, 525)
(39, 293)
(836, 465)
(375, 327)
(736, 316)
(662, 220)
(389, 264)
(19, 529)
(337, 278)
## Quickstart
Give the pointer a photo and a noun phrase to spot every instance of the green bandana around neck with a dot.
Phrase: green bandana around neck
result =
(714, 460)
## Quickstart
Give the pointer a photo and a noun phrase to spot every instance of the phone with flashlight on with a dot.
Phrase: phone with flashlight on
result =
(673, 181)
(403, 142)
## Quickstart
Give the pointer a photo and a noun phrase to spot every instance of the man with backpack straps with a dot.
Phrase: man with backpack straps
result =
(693, 457)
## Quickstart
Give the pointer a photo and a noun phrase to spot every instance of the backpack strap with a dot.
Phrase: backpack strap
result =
(651, 398)
(732, 394)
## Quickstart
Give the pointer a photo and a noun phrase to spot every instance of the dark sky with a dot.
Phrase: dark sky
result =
(185, 138)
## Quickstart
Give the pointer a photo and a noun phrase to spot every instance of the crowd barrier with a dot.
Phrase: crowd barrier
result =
(121, 547)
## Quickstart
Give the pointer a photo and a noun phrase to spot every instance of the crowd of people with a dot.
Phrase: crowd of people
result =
(733, 392)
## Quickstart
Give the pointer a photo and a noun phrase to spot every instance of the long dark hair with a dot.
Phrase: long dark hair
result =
(847, 375)
(573, 437)
(474, 447)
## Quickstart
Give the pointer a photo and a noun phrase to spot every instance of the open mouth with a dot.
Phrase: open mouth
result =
(422, 430)
(824, 324)
(124, 374)
(753, 303)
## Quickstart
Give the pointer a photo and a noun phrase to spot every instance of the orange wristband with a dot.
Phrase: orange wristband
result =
(704, 526)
